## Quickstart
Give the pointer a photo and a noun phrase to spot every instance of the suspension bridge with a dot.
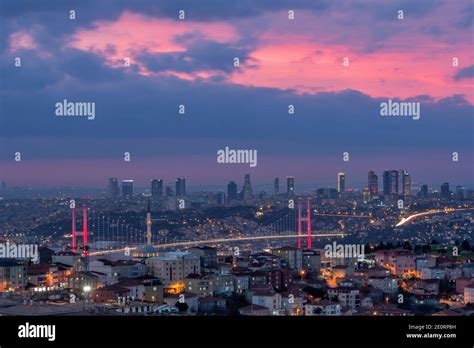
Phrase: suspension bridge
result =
(105, 234)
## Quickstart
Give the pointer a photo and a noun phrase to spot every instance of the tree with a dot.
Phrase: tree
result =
(426, 248)
(182, 306)
(465, 245)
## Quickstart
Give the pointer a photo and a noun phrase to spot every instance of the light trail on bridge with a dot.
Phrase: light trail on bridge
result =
(213, 241)
(428, 212)
(344, 215)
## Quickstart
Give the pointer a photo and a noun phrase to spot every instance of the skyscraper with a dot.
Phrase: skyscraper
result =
(373, 184)
(180, 187)
(459, 192)
(290, 186)
(113, 188)
(276, 186)
(401, 181)
(424, 191)
(394, 182)
(127, 188)
(220, 198)
(390, 182)
(341, 182)
(247, 189)
(445, 193)
(232, 191)
(386, 182)
(407, 184)
(157, 188)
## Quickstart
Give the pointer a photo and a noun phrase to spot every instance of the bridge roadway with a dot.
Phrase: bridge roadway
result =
(238, 239)
(429, 212)
(216, 240)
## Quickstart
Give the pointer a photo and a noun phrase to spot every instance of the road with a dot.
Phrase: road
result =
(429, 212)
(217, 240)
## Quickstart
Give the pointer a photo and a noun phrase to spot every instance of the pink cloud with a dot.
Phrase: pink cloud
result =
(133, 34)
(388, 58)
(308, 68)
(305, 55)
(21, 40)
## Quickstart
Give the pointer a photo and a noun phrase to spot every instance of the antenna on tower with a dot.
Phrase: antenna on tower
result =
(148, 224)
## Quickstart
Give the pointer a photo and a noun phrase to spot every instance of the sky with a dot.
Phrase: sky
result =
(190, 62)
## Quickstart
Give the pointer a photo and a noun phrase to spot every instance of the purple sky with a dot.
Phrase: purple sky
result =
(190, 62)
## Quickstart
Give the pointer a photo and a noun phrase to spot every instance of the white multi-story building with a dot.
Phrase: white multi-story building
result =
(241, 282)
(388, 284)
(173, 266)
(12, 274)
(399, 262)
(268, 299)
(433, 273)
(324, 307)
(347, 296)
(425, 262)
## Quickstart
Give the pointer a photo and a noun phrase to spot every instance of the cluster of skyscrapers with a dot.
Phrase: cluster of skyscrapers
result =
(157, 189)
(394, 182)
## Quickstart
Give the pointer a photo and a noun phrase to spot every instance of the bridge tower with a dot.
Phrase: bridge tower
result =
(83, 233)
(307, 219)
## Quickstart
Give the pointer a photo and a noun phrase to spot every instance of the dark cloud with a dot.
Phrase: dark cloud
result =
(464, 73)
(132, 110)
(199, 55)
(141, 113)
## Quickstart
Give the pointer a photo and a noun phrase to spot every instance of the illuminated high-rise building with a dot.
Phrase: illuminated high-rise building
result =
(341, 182)
(157, 188)
(113, 188)
(390, 182)
(407, 184)
(394, 182)
(127, 188)
(373, 184)
(180, 187)
(290, 186)
(401, 181)
(276, 186)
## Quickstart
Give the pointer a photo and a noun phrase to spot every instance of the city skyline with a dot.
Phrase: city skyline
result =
(305, 121)
(165, 162)
(158, 187)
